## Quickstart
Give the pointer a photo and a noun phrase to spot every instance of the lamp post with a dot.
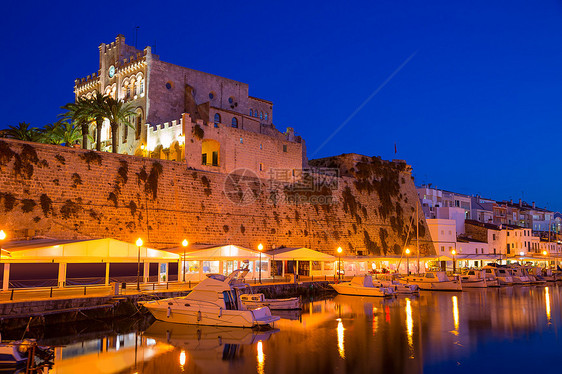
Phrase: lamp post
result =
(454, 252)
(184, 244)
(407, 251)
(339, 263)
(139, 245)
(260, 247)
(545, 253)
(2, 237)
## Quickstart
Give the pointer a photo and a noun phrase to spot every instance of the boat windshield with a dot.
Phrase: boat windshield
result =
(229, 301)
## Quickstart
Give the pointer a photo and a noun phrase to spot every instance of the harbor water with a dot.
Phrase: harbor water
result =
(496, 330)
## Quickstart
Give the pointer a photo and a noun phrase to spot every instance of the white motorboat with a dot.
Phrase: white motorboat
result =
(474, 279)
(390, 281)
(362, 286)
(12, 354)
(502, 274)
(491, 277)
(519, 274)
(434, 281)
(256, 300)
(213, 302)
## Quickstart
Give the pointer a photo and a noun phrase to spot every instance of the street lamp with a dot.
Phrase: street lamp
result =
(453, 252)
(184, 243)
(545, 253)
(339, 262)
(260, 247)
(407, 261)
(139, 245)
(2, 237)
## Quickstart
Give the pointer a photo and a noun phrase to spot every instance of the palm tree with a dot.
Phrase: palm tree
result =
(22, 132)
(118, 113)
(61, 132)
(97, 108)
(79, 112)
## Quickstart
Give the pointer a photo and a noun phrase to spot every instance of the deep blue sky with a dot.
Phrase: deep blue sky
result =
(476, 110)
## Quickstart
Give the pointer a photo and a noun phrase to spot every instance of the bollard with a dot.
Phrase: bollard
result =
(12, 295)
(51, 295)
(84, 290)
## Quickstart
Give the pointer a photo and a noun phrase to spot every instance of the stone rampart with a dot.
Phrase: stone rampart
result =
(60, 192)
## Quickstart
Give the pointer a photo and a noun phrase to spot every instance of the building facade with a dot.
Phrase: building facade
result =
(177, 107)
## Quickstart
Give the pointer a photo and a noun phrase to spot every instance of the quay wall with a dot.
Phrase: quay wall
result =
(67, 193)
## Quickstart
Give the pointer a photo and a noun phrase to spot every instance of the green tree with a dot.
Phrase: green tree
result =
(22, 132)
(80, 113)
(61, 133)
(118, 113)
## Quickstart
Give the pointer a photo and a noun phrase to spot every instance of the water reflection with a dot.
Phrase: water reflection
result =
(456, 315)
(547, 301)
(341, 349)
(410, 325)
(261, 358)
(345, 334)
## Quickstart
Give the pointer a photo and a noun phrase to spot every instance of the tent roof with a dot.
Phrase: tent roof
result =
(299, 254)
(217, 252)
(84, 251)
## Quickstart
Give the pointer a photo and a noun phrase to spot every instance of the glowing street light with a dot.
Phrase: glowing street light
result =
(139, 245)
(545, 253)
(260, 248)
(454, 252)
(2, 237)
(407, 251)
(339, 262)
(184, 244)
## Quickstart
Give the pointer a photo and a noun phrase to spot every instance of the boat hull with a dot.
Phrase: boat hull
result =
(346, 289)
(275, 304)
(211, 316)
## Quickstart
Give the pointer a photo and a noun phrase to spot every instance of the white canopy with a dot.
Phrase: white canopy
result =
(218, 252)
(80, 251)
(299, 254)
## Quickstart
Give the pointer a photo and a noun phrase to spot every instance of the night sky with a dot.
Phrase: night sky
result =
(473, 102)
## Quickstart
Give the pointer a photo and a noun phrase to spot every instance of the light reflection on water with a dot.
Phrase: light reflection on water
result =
(504, 329)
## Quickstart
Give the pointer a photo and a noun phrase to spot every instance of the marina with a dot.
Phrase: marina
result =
(430, 333)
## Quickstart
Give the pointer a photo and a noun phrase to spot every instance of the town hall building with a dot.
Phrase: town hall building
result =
(207, 121)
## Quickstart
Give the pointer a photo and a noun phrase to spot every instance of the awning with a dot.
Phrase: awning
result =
(225, 252)
(80, 251)
(299, 254)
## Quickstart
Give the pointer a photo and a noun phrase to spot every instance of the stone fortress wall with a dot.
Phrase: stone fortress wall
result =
(60, 192)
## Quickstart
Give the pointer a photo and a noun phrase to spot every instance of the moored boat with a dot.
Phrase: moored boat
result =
(434, 281)
(362, 286)
(256, 300)
(391, 281)
(473, 279)
(213, 302)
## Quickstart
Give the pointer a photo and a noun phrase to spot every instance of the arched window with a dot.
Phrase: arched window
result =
(138, 124)
(261, 115)
(217, 119)
(234, 122)
(266, 116)
(251, 113)
(256, 113)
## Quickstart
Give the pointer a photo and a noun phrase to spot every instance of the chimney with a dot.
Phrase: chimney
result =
(533, 205)
(520, 203)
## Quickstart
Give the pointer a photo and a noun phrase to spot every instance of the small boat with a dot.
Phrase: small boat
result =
(12, 354)
(434, 281)
(256, 300)
(474, 279)
(362, 286)
(536, 275)
(391, 281)
(490, 275)
(519, 274)
(503, 275)
(213, 302)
